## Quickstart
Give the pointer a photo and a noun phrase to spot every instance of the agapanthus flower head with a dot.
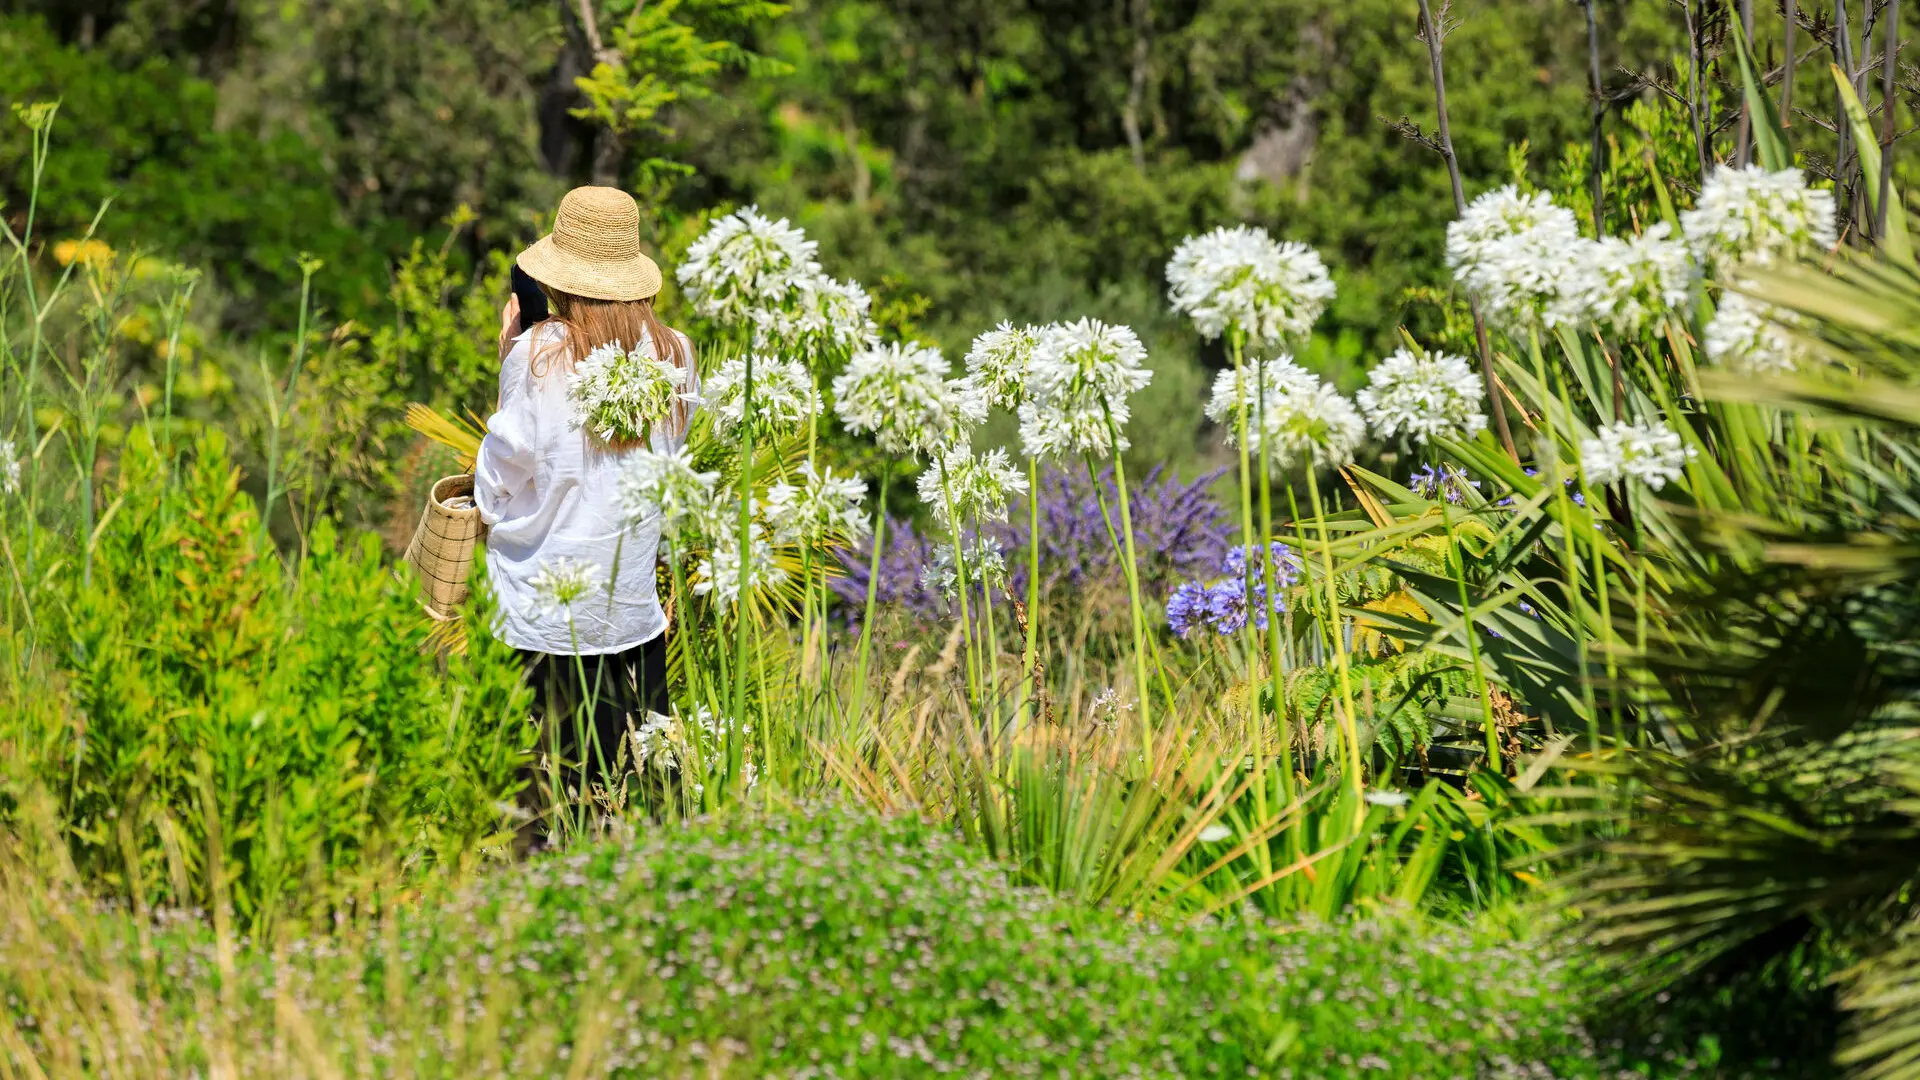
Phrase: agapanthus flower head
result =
(1756, 216)
(1441, 481)
(1000, 360)
(1187, 607)
(744, 262)
(1513, 252)
(822, 508)
(978, 486)
(1240, 278)
(986, 568)
(1621, 285)
(719, 573)
(817, 317)
(666, 484)
(1651, 453)
(1749, 335)
(1423, 397)
(901, 396)
(618, 394)
(1302, 418)
(1286, 563)
(1247, 387)
(563, 582)
(784, 398)
(1077, 388)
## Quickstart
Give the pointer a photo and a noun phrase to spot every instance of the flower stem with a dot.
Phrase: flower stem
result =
(873, 581)
(1133, 592)
(1250, 642)
(1033, 586)
(1349, 724)
(960, 570)
(744, 571)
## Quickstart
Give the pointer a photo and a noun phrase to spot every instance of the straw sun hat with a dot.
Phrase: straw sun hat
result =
(594, 249)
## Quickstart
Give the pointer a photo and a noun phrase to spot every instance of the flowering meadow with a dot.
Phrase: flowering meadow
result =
(1532, 699)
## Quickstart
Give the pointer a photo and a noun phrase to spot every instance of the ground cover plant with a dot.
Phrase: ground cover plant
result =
(1580, 629)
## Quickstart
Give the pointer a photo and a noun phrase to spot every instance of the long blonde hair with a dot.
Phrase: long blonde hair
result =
(591, 323)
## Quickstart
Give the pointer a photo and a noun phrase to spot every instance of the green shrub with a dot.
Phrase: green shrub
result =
(827, 943)
(199, 699)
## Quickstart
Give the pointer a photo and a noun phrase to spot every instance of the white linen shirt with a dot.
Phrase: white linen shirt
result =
(548, 491)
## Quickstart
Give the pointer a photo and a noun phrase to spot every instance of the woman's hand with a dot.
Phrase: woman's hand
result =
(509, 324)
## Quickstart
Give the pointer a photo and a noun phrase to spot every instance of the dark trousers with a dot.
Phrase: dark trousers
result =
(598, 697)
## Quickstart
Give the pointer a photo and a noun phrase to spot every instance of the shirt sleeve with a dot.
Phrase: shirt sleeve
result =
(504, 469)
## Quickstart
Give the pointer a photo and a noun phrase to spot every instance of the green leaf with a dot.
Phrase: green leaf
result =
(1896, 244)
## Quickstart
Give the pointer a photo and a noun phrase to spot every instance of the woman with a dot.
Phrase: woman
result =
(596, 651)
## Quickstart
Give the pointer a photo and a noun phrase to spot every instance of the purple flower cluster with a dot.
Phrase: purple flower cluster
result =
(1429, 480)
(1179, 531)
(1579, 498)
(1223, 605)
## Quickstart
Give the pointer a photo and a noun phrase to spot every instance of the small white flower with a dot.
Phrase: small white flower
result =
(718, 575)
(980, 485)
(1513, 252)
(901, 396)
(818, 316)
(1749, 335)
(1077, 388)
(665, 484)
(1651, 453)
(1388, 798)
(821, 508)
(1240, 278)
(986, 568)
(1622, 285)
(1214, 833)
(784, 398)
(999, 362)
(1423, 397)
(745, 262)
(11, 464)
(1753, 216)
(564, 582)
(619, 394)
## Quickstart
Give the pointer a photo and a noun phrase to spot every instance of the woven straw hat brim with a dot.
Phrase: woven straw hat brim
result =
(594, 249)
(633, 278)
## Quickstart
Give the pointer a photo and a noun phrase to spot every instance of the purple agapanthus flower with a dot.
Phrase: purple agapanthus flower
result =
(1428, 480)
(1579, 498)
(1223, 603)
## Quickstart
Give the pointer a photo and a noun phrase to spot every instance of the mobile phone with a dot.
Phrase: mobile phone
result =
(533, 302)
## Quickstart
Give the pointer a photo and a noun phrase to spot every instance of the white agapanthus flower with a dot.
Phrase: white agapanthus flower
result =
(1241, 278)
(745, 262)
(1749, 335)
(979, 485)
(1513, 252)
(1077, 389)
(563, 582)
(818, 316)
(784, 398)
(1273, 378)
(986, 568)
(666, 484)
(718, 574)
(1423, 397)
(821, 508)
(1622, 285)
(1000, 360)
(1651, 453)
(901, 396)
(1753, 216)
(1312, 422)
(619, 394)
(11, 464)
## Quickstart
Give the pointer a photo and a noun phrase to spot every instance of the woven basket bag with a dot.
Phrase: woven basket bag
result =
(444, 544)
